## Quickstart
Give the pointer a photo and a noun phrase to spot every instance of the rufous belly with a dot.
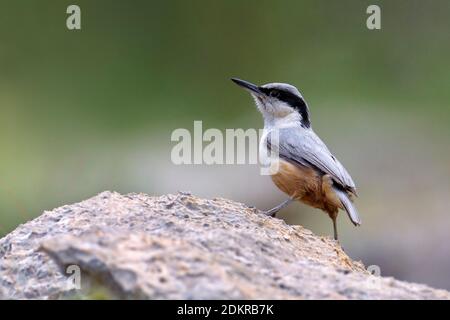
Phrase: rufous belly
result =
(307, 185)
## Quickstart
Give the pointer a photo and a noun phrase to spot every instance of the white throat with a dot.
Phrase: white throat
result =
(292, 119)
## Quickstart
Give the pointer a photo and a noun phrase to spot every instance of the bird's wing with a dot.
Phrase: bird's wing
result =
(303, 147)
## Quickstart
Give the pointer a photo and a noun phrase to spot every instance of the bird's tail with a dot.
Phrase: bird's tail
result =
(348, 206)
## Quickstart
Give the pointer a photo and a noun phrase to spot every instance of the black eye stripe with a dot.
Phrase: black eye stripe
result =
(293, 100)
(274, 93)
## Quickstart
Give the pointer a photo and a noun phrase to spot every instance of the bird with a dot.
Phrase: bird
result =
(306, 169)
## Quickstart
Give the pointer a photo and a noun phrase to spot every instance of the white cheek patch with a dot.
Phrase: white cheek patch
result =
(259, 103)
(280, 108)
(275, 109)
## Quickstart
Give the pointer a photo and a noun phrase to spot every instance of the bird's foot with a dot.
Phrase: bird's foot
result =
(273, 212)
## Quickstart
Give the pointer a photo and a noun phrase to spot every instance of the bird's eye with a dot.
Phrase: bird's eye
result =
(274, 93)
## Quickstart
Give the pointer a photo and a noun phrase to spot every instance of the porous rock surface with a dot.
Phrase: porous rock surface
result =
(182, 247)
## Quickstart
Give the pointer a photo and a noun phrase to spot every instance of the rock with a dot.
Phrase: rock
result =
(181, 247)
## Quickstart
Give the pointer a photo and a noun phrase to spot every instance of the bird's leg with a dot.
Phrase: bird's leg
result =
(335, 228)
(333, 215)
(272, 212)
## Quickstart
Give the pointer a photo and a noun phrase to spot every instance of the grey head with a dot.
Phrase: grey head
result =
(278, 101)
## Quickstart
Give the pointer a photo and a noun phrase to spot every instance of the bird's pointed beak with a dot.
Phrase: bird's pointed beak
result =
(248, 86)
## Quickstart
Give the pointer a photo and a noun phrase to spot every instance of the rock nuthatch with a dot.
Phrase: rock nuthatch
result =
(307, 170)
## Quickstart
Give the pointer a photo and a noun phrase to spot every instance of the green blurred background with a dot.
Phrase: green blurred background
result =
(93, 110)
